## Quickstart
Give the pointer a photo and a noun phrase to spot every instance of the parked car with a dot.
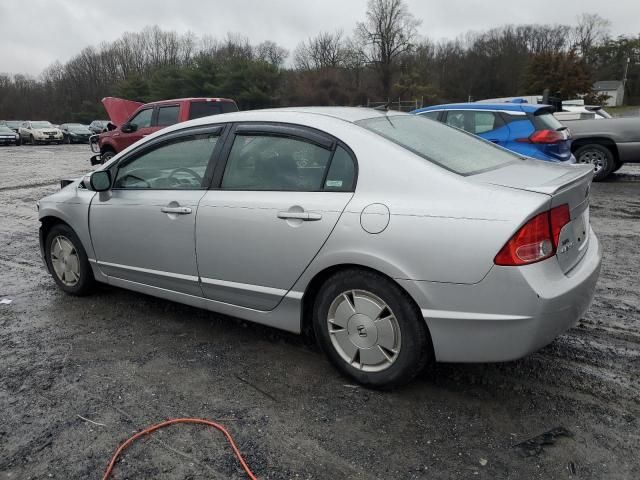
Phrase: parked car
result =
(598, 112)
(13, 124)
(530, 130)
(40, 132)
(98, 126)
(75, 133)
(8, 136)
(136, 120)
(398, 240)
(606, 144)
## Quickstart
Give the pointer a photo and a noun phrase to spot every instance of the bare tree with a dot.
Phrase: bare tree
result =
(272, 53)
(389, 31)
(325, 50)
(591, 31)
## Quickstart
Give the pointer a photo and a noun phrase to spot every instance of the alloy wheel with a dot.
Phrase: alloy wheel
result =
(364, 331)
(595, 158)
(65, 260)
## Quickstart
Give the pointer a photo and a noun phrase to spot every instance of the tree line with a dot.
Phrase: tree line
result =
(384, 57)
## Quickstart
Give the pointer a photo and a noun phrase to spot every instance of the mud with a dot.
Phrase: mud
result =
(123, 361)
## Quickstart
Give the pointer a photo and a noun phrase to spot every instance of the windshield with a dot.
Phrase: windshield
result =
(453, 149)
(41, 125)
(13, 123)
(5, 129)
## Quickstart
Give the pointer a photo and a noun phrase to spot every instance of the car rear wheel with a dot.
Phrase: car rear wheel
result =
(67, 261)
(599, 156)
(370, 329)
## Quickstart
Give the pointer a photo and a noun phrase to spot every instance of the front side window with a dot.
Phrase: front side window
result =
(449, 148)
(179, 164)
(263, 162)
(168, 115)
(143, 118)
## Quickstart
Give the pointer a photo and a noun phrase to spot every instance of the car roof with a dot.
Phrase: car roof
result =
(503, 106)
(349, 114)
(190, 99)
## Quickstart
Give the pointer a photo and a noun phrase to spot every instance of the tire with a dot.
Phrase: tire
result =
(67, 140)
(32, 140)
(617, 167)
(599, 156)
(351, 299)
(67, 261)
(107, 155)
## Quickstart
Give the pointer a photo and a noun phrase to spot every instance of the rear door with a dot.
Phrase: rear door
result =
(274, 203)
(483, 123)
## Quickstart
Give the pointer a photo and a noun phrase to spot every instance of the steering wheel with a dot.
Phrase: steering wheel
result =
(129, 175)
(186, 170)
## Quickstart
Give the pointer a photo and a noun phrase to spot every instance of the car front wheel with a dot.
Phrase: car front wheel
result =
(370, 329)
(107, 155)
(600, 157)
(67, 261)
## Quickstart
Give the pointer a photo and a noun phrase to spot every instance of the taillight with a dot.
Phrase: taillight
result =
(543, 136)
(536, 240)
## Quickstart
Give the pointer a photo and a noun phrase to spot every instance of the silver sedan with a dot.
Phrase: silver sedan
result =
(394, 239)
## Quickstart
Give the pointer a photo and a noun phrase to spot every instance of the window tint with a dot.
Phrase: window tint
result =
(260, 162)
(473, 121)
(142, 119)
(178, 165)
(544, 120)
(454, 150)
(431, 115)
(168, 115)
(342, 172)
(204, 109)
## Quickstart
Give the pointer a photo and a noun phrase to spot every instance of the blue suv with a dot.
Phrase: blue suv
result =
(527, 129)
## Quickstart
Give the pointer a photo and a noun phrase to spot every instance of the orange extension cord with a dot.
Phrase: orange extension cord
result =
(158, 426)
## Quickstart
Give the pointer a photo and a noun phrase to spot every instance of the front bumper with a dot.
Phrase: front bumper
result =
(512, 312)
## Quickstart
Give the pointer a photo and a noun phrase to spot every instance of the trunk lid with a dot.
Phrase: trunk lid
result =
(564, 184)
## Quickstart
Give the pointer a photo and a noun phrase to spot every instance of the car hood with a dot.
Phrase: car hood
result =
(119, 109)
(45, 130)
(81, 132)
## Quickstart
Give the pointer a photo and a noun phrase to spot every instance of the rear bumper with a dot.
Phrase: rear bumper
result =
(511, 312)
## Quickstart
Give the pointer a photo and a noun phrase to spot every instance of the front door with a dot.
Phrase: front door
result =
(141, 122)
(277, 201)
(143, 228)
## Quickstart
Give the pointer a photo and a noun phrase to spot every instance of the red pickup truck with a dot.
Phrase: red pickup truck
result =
(130, 121)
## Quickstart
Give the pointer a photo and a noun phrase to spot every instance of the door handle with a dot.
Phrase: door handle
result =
(178, 210)
(305, 216)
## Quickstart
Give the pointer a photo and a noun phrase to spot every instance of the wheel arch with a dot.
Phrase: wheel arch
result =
(601, 141)
(313, 288)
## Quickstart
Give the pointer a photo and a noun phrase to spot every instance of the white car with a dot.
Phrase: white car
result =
(598, 112)
(40, 132)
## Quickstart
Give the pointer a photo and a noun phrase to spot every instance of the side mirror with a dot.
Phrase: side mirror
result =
(129, 127)
(100, 181)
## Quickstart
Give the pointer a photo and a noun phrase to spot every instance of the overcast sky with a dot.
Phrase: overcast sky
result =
(35, 33)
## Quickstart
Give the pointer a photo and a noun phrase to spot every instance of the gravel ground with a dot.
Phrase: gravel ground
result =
(122, 361)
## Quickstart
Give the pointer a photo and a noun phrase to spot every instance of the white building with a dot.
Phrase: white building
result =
(613, 88)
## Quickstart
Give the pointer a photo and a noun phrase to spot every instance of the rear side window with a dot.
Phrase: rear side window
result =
(474, 121)
(544, 120)
(266, 162)
(205, 109)
(168, 115)
(449, 148)
(430, 115)
(342, 172)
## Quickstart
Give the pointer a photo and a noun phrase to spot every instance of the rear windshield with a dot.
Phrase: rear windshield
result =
(204, 109)
(453, 149)
(544, 120)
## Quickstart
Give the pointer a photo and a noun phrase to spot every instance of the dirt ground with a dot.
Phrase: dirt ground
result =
(123, 360)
